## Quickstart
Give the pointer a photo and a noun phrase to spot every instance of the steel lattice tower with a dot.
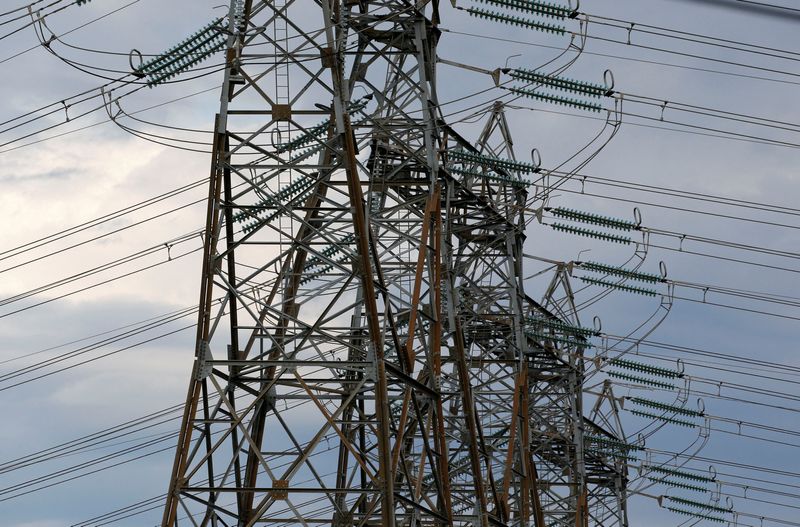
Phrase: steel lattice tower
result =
(366, 354)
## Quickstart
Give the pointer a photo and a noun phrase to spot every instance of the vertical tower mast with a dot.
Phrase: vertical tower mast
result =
(364, 349)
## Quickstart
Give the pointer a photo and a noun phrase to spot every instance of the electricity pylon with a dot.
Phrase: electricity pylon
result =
(366, 354)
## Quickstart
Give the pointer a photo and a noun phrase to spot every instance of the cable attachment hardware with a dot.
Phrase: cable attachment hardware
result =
(539, 213)
(589, 233)
(536, 79)
(663, 418)
(597, 325)
(663, 407)
(39, 21)
(608, 81)
(288, 196)
(647, 369)
(620, 272)
(515, 20)
(493, 163)
(535, 7)
(574, 11)
(108, 102)
(593, 219)
(697, 504)
(188, 53)
(536, 160)
(136, 70)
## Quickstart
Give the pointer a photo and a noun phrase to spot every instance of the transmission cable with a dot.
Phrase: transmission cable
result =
(2, 61)
(764, 4)
(99, 284)
(686, 36)
(101, 236)
(24, 7)
(631, 59)
(111, 216)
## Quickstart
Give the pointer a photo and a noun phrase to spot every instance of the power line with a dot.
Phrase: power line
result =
(584, 180)
(95, 222)
(118, 336)
(70, 31)
(681, 209)
(771, 6)
(95, 285)
(25, 7)
(630, 59)
(695, 56)
(154, 249)
(714, 365)
(708, 353)
(686, 36)
(716, 113)
(93, 359)
(100, 236)
(32, 22)
(107, 120)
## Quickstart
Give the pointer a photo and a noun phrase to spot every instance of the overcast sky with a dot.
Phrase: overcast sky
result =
(65, 181)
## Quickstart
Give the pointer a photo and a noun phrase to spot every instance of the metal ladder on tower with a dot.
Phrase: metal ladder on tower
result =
(282, 97)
